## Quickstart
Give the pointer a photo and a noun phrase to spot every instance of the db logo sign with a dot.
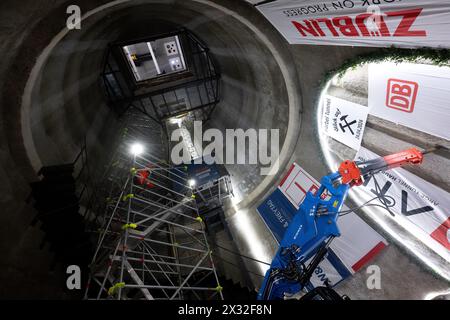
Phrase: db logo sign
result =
(401, 95)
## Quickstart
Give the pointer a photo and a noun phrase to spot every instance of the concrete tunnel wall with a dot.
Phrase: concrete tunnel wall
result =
(265, 84)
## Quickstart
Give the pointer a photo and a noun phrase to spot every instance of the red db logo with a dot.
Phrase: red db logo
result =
(401, 95)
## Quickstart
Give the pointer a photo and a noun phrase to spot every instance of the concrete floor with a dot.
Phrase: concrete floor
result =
(50, 98)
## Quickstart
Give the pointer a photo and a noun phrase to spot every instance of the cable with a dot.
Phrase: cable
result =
(241, 255)
(235, 265)
(385, 200)
(366, 204)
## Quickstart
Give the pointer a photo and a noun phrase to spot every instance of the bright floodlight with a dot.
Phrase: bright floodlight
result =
(191, 182)
(137, 149)
(176, 121)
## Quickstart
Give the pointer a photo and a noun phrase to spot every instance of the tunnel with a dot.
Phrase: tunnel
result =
(56, 111)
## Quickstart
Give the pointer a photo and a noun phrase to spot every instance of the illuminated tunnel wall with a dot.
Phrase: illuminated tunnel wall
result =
(50, 99)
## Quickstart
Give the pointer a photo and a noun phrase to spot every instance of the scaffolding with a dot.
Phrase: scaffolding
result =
(213, 194)
(152, 242)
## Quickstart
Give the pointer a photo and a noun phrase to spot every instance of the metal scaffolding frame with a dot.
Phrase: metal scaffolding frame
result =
(152, 239)
(213, 194)
(152, 242)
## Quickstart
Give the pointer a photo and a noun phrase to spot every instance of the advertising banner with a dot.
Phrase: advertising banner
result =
(344, 121)
(372, 23)
(420, 202)
(277, 213)
(416, 96)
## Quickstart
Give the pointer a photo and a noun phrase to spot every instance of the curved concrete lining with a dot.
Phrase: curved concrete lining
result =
(257, 81)
(211, 16)
(26, 116)
(266, 84)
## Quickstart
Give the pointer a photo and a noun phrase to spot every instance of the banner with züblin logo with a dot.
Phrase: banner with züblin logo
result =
(380, 23)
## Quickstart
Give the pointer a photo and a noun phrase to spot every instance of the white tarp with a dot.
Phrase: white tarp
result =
(358, 242)
(383, 23)
(296, 184)
(413, 95)
(420, 202)
(344, 121)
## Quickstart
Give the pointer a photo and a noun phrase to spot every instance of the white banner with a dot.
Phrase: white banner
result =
(358, 242)
(344, 121)
(416, 96)
(381, 23)
(296, 184)
(326, 272)
(420, 202)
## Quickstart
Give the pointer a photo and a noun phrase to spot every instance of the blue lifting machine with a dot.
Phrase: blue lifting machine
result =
(314, 226)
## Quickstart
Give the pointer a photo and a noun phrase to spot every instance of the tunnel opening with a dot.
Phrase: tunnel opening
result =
(188, 88)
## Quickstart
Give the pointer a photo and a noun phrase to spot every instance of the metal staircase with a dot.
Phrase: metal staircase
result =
(56, 199)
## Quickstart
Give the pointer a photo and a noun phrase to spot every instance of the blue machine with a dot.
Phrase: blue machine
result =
(199, 171)
(204, 173)
(314, 225)
(308, 235)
